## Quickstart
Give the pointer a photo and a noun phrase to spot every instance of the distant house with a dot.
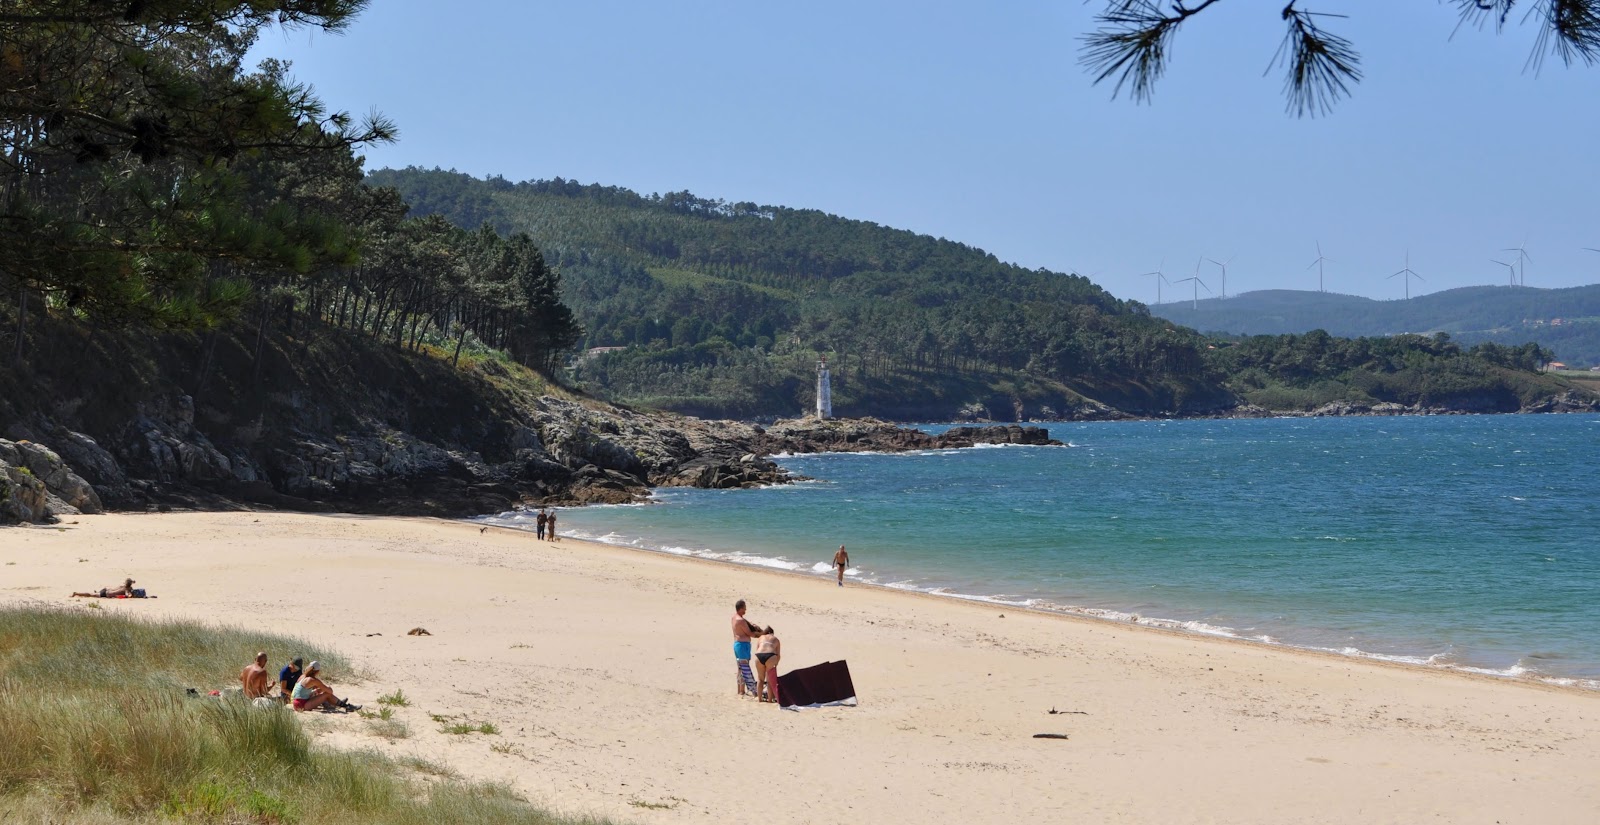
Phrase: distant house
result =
(1594, 369)
(593, 352)
(1554, 366)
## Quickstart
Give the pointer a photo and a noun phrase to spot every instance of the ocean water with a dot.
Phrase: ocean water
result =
(1466, 542)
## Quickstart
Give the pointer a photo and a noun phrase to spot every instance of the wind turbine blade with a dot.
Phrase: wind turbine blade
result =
(1592, 249)
(1418, 277)
(1398, 274)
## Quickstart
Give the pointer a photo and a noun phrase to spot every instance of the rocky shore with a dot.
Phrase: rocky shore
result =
(564, 452)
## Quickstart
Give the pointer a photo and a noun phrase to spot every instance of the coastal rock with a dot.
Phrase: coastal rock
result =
(37, 486)
(871, 435)
(1567, 402)
(1007, 434)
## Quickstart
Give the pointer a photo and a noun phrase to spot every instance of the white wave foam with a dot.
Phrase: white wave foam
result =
(1445, 660)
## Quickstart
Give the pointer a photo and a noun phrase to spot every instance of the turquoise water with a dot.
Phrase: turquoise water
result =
(1464, 541)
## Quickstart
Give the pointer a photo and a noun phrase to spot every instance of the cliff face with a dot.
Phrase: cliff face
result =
(332, 421)
(326, 421)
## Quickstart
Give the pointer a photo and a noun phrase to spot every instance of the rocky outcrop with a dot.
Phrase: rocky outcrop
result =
(1565, 403)
(857, 435)
(37, 486)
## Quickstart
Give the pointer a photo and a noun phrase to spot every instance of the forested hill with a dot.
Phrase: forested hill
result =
(1565, 321)
(723, 308)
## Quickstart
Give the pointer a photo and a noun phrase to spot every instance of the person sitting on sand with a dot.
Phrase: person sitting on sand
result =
(125, 591)
(288, 676)
(310, 692)
(768, 651)
(254, 678)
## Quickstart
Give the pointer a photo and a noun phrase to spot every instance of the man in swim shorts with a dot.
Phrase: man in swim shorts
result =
(254, 677)
(841, 560)
(741, 644)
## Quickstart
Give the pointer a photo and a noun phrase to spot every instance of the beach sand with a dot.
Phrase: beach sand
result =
(609, 674)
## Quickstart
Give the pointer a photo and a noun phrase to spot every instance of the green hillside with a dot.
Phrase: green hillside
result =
(723, 308)
(1565, 321)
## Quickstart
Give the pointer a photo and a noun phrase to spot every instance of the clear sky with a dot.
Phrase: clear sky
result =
(974, 122)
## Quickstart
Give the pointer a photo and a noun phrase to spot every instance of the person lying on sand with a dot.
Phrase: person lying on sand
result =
(254, 678)
(125, 591)
(310, 692)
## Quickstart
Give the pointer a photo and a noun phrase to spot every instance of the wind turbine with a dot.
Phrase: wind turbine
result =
(1224, 265)
(1512, 267)
(1197, 284)
(1318, 264)
(1522, 259)
(1160, 276)
(1409, 275)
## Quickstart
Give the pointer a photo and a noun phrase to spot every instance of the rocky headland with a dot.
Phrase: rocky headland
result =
(347, 425)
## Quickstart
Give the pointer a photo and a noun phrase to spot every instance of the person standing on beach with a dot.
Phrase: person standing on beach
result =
(768, 652)
(741, 645)
(841, 560)
(254, 677)
(540, 522)
(550, 526)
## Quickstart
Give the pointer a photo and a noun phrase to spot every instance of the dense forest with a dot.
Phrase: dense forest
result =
(722, 308)
(1565, 321)
(150, 182)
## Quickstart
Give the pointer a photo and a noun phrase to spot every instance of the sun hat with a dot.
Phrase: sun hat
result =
(314, 666)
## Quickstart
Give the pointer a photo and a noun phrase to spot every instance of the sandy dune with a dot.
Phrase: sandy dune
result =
(610, 677)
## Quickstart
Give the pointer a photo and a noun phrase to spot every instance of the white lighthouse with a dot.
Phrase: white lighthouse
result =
(824, 390)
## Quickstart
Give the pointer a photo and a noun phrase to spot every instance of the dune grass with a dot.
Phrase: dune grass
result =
(97, 727)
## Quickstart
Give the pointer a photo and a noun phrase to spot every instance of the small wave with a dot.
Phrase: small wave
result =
(1527, 668)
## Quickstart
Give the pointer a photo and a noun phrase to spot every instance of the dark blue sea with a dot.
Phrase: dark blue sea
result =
(1468, 542)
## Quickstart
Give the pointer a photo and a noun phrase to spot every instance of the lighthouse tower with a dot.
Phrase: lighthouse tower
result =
(824, 390)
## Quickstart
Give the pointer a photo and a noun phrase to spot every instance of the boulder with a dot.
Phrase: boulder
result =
(38, 485)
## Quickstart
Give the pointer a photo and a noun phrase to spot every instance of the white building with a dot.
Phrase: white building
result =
(824, 390)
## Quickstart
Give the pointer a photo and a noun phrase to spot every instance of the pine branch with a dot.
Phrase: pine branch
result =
(1132, 44)
(1571, 32)
(1322, 65)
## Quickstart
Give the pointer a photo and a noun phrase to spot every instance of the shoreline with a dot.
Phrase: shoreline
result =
(1577, 685)
(605, 669)
(1112, 616)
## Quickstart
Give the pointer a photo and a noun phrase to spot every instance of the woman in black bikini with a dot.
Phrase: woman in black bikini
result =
(768, 648)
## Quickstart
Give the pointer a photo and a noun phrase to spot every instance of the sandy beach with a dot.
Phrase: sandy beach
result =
(609, 675)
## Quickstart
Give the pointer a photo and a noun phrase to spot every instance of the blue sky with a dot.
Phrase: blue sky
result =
(974, 122)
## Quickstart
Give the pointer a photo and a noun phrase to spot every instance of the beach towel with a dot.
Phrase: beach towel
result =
(749, 678)
(825, 684)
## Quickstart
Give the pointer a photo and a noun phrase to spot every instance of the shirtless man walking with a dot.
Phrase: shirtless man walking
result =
(841, 560)
(741, 644)
(254, 677)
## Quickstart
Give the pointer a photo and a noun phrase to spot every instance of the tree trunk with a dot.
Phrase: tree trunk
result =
(460, 339)
(261, 339)
(22, 322)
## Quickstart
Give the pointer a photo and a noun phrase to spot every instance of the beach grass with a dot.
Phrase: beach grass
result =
(99, 727)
